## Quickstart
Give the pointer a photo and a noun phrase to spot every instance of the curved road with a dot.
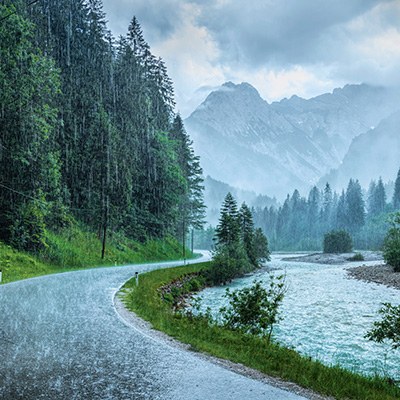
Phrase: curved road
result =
(61, 338)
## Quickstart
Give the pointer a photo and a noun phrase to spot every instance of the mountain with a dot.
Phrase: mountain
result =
(215, 192)
(274, 148)
(372, 154)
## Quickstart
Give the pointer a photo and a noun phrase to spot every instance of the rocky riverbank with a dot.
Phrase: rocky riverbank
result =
(335, 259)
(382, 274)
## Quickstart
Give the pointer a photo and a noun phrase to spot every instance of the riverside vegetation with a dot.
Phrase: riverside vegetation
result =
(243, 331)
(251, 350)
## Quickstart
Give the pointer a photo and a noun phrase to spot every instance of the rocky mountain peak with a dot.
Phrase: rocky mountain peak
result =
(273, 148)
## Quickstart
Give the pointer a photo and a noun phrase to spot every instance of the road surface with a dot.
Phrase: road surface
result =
(61, 338)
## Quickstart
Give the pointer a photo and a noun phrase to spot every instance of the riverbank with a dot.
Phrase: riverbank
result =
(382, 274)
(273, 360)
(335, 259)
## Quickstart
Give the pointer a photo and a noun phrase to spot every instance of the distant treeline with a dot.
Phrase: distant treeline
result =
(88, 130)
(300, 223)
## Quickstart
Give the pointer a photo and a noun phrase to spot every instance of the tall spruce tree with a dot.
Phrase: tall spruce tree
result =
(29, 163)
(376, 198)
(355, 207)
(228, 228)
(246, 225)
(396, 194)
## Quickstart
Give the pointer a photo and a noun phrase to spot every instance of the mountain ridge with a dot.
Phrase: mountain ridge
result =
(273, 148)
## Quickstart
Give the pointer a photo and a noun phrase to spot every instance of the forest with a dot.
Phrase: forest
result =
(88, 130)
(300, 223)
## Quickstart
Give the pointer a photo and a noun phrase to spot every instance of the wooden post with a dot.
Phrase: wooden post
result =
(103, 249)
(183, 241)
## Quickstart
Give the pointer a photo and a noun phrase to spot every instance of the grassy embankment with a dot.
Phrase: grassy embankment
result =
(76, 248)
(273, 360)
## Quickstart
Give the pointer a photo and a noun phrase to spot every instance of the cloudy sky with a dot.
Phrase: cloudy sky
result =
(282, 47)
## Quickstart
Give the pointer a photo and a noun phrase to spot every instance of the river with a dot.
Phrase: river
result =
(326, 314)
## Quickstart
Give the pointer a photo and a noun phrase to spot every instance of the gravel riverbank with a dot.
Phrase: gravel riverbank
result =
(382, 274)
(333, 258)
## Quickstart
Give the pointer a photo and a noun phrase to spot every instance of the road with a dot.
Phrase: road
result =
(61, 338)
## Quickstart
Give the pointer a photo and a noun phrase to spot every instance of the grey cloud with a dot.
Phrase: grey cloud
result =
(159, 19)
(279, 32)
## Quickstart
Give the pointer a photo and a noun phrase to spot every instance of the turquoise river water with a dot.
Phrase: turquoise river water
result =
(326, 314)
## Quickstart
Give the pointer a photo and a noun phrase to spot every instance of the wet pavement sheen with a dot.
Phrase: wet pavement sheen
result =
(61, 338)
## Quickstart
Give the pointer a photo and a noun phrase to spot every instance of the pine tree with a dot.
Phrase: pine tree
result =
(313, 213)
(327, 209)
(396, 194)
(355, 208)
(228, 228)
(260, 245)
(246, 225)
(341, 212)
(376, 198)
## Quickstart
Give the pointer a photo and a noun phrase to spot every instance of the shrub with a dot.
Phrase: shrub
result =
(229, 262)
(356, 257)
(254, 309)
(388, 328)
(28, 231)
(338, 242)
(391, 245)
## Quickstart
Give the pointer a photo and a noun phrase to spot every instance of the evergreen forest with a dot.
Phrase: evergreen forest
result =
(88, 130)
(301, 222)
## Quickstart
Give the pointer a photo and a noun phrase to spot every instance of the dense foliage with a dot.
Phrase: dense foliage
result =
(239, 246)
(87, 129)
(391, 247)
(388, 328)
(337, 242)
(300, 223)
(254, 309)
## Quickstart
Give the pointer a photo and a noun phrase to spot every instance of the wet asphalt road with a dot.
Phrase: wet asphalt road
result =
(61, 338)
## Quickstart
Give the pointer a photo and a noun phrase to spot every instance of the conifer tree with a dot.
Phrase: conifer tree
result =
(396, 194)
(355, 208)
(376, 198)
(246, 225)
(228, 229)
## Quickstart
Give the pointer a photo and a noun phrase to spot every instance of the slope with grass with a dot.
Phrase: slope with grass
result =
(77, 248)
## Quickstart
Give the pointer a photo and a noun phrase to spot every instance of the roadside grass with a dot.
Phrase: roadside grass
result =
(273, 360)
(76, 248)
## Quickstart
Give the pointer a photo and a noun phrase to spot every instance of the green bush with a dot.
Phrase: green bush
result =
(356, 257)
(28, 231)
(254, 309)
(338, 242)
(388, 329)
(229, 262)
(391, 245)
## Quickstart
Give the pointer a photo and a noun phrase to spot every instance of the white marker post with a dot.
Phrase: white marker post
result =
(137, 278)
(1, 275)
